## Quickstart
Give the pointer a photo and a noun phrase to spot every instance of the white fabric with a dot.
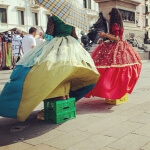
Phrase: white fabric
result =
(39, 41)
(16, 43)
(60, 49)
(27, 42)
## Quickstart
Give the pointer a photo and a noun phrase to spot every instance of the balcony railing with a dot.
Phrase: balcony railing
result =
(92, 12)
(33, 4)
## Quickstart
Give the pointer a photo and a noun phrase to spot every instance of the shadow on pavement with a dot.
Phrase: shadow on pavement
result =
(93, 105)
(13, 131)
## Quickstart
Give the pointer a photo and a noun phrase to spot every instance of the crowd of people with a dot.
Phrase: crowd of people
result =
(14, 45)
(61, 68)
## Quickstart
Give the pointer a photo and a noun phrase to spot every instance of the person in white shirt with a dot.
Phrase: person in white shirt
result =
(16, 46)
(28, 42)
(40, 39)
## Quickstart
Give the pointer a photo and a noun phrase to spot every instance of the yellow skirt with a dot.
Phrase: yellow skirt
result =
(55, 68)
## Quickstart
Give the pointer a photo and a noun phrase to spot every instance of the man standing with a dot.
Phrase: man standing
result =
(28, 42)
(16, 44)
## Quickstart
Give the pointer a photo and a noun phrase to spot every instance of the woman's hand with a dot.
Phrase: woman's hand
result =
(99, 40)
(109, 36)
(102, 34)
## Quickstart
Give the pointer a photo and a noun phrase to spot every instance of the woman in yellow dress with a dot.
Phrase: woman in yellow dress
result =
(51, 70)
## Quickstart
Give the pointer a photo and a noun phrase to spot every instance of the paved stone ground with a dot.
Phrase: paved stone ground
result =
(98, 126)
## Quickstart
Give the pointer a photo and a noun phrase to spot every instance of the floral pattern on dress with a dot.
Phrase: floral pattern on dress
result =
(115, 54)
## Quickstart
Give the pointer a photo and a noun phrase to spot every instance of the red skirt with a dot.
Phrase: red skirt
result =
(119, 66)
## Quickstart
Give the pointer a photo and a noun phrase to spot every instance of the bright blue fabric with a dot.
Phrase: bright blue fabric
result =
(11, 95)
(48, 37)
(80, 93)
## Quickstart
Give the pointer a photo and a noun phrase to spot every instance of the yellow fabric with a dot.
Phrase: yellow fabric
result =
(66, 49)
(42, 83)
(61, 68)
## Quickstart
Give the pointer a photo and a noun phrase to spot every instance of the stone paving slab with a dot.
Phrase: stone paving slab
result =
(104, 124)
(142, 118)
(146, 147)
(68, 139)
(107, 148)
(78, 123)
(42, 147)
(16, 146)
(98, 126)
(122, 129)
(49, 135)
(95, 142)
(130, 142)
(144, 130)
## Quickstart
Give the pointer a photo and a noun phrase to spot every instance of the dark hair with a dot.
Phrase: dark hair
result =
(32, 29)
(115, 17)
(18, 31)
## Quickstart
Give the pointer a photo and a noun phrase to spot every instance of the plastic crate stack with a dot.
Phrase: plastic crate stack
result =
(59, 111)
(117, 101)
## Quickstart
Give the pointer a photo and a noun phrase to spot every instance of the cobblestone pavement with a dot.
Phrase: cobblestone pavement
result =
(98, 126)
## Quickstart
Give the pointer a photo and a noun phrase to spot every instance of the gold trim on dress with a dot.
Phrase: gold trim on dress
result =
(119, 66)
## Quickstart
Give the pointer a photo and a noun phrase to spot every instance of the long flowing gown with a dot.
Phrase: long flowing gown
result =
(119, 66)
(49, 70)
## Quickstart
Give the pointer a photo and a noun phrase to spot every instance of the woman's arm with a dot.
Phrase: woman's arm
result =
(109, 36)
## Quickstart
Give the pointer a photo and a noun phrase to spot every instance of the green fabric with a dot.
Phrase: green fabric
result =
(61, 29)
(8, 56)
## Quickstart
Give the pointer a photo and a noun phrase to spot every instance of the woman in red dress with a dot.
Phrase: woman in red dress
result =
(117, 62)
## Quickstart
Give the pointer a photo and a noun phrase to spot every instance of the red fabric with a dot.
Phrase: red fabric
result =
(117, 31)
(117, 54)
(114, 83)
(119, 66)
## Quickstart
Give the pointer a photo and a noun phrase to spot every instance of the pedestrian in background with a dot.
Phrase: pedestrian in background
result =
(16, 45)
(28, 42)
(39, 40)
(7, 51)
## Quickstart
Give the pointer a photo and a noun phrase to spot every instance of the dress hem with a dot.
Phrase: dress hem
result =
(118, 66)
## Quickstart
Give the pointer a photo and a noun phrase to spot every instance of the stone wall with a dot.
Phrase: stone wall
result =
(127, 5)
(131, 29)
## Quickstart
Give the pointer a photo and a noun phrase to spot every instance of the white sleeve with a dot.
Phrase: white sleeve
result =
(22, 42)
(33, 42)
(13, 43)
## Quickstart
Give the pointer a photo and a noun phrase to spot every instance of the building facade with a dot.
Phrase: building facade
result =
(24, 14)
(141, 18)
(133, 14)
(140, 15)
(147, 11)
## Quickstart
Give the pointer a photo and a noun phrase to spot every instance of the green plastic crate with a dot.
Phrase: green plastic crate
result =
(60, 118)
(59, 106)
(59, 111)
